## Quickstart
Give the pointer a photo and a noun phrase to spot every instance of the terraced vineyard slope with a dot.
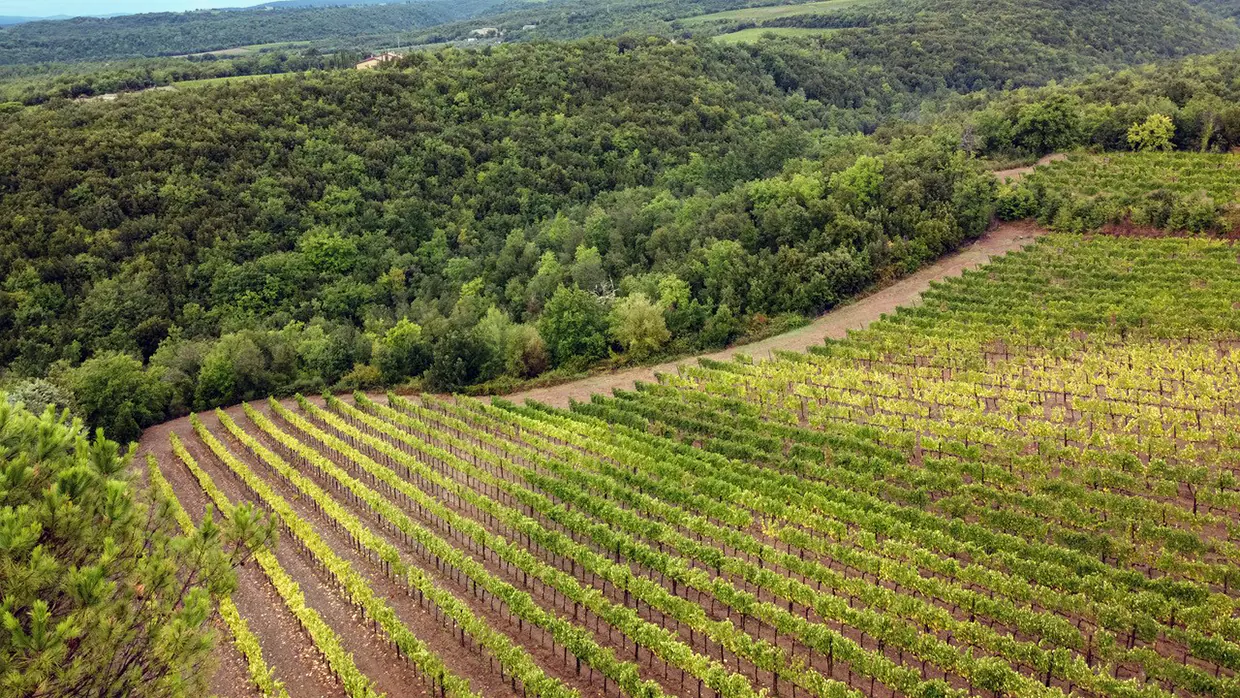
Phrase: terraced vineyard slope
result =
(1055, 432)
(1025, 486)
(1135, 192)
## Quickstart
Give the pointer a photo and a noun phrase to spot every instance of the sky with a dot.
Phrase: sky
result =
(48, 8)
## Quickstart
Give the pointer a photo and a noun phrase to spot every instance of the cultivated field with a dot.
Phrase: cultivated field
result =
(1149, 191)
(756, 33)
(1131, 175)
(758, 14)
(1024, 486)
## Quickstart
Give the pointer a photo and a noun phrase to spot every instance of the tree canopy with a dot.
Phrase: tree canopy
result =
(102, 595)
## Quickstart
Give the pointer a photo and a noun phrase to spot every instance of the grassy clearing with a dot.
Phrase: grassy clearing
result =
(250, 50)
(758, 14)
(755, 33)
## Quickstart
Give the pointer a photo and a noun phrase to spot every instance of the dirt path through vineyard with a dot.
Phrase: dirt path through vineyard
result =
(834, 324)
(1016, 173)
(291, 651)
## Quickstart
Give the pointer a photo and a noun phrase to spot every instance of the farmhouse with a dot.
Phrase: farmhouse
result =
(376, 61)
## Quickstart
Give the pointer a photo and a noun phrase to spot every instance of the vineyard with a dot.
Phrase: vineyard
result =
(1152, 190)
(1025, 486)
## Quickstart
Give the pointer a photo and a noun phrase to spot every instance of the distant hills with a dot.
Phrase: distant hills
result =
(974, 44)
(174, 33)
(6, 21)
(10, 20)
(289, 4)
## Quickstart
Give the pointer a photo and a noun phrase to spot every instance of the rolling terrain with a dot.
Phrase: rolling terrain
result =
(623, 538)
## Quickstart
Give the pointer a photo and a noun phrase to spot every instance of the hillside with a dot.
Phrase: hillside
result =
(443, 219)
(925, 45)
(167, 34)
(1001, 491)
(878, 349)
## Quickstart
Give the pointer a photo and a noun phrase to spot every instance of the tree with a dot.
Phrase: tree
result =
(107, 599)
(461, 359)
(1155, 133)
(587, 270)
(37, 394)
(721, 328)
(401, 352)
(526, 352)
(114, 393)
(638, 325)
(235, 368)
(1047, 126)
(861, 182)
(574, 325)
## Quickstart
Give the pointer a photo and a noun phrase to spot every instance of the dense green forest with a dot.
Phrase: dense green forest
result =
(1196, 101)
(167, 34)
(965, 46)
(477, 216)
(29, 85)
(480, 214)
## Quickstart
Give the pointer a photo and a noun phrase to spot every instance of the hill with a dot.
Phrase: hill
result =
(8, 20)
(166, 34)
(965, 45)
(918, 47)
(1024, 459)
(437, 210)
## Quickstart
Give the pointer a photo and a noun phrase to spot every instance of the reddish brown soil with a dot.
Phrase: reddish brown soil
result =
(231, 678)
(419, 620)
(291, 652)
(285, 647)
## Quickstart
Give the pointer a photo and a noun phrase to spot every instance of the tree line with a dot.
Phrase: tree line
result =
(170, 34)
(480, 215)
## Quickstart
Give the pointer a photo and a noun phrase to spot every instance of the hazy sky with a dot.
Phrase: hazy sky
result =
(47, 8)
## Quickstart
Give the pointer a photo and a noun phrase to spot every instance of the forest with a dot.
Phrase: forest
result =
(486, 216)
(27, 85)
(169, 34)
(1021, 485)
(470, 218)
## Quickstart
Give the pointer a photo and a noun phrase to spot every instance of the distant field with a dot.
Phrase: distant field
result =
(757, 14)
(756, 33)
(215, 81)
(238, 51)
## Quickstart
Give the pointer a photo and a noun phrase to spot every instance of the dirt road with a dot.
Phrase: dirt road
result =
(1016, 173)
(834, 324)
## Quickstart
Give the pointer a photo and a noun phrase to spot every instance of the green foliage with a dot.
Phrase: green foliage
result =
(1198, 95)
(638, 325)
(1047, 126)
(721, 328)
(861, 182)
(1015, 203)
(462, 357)
(526, 353)
(574, 325)
(402, 352)
(166, 34)
(101, 597)
(113, 391)
(37, 394)
(1155, 133)
(923, 46)
(1188, 192)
